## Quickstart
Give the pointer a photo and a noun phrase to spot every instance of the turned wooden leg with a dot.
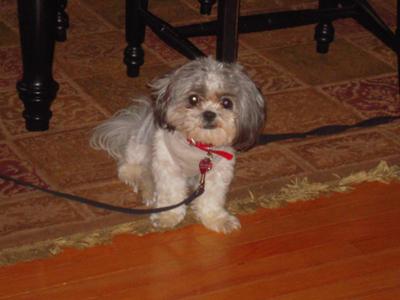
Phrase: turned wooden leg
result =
(37, 89)
(134, 34)
(62, 22)
(206, 6)
(227, 32)
(398, 42)
(324, 31)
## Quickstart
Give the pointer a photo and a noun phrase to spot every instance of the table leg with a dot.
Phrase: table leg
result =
(37, 88)
(134, 34)
(397, 37)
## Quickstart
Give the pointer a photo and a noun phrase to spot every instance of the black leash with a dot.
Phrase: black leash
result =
(102, 205)
(326, 130)
(263, 139)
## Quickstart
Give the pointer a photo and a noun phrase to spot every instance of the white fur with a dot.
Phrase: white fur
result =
(151, 148)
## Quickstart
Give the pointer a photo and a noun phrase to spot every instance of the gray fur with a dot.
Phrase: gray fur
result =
(250, 109)
(136, 122)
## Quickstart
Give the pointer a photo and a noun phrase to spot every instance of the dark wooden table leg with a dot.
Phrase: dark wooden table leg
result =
(227, 35)
(134, 33)
(62, 23)
(37, 89)
(324, 31)
(206, 6)
(398, 41)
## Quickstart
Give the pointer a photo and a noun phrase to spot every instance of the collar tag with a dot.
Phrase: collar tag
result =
(205, 165)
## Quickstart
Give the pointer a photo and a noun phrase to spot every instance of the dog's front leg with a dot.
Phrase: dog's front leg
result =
(170, 189)
(209, 207)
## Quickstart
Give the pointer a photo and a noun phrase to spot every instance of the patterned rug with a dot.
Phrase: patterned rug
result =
(355, 81)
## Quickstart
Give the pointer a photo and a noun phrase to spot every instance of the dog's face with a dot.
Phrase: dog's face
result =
(211, 102)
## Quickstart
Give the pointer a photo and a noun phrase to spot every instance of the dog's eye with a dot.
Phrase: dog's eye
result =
(226, 103)
(193, 100)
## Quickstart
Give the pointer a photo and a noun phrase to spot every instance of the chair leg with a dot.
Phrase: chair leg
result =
(37, 89)
(206, 6)
(170, 36)
(62, 23)
(134, 34)
(397, 37)
(324, 31)
(227, 31)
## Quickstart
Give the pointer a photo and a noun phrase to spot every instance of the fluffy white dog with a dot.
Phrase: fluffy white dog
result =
(203, 109)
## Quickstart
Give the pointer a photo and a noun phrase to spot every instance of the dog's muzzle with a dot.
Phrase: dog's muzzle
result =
(208, 119)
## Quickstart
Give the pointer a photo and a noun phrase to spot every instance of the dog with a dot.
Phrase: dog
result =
(205, 108)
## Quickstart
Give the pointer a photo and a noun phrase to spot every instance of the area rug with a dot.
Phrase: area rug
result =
(355, 81)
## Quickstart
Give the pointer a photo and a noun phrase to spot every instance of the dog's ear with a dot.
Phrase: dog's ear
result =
(251, 114)
(160, 91)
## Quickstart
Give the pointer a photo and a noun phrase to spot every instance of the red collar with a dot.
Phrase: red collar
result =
(208, 148)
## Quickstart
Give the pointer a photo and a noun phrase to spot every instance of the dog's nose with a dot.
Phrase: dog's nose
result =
(209, 115)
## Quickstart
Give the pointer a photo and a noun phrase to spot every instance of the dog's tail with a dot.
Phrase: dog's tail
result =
(135, 122)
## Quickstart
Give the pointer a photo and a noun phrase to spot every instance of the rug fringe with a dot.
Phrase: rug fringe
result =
(302, 189)
(299, 189)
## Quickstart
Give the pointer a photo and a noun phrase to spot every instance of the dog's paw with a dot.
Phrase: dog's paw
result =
(167, 219)
(224, 223)
(147, 193)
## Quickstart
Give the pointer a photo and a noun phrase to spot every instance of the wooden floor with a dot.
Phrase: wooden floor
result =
(341, 247)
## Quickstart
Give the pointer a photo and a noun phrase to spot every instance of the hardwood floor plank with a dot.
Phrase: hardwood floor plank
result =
(308, 245)
(346, 269)
(349, 289)
(384, 294)
(232, 267)
(194, 276)
(183, 253)
(191, 239)
(381, 242)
